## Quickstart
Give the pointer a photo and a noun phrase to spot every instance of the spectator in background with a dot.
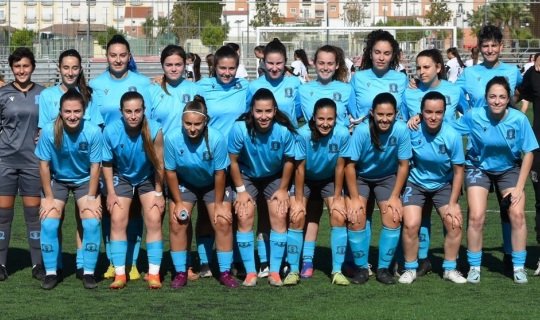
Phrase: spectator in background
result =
(241, 72)
(475, 52)
(193, 69)
(401, 67)
(454, 66)
(300, 65)
(210, 62)
(527, 65)
(259, 54)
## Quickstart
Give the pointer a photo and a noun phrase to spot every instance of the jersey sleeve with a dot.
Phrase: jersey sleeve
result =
(528, 137)
(44, 117)
(457, 156)
(169, 152)
(461, 83)
(96, 150)
(107, 154)
(356, 143)
(526, 86)
(290, 144)
(463, 124)
(236, 138)
(405, 149)
(221, 157)
(44, 148)
(300, 149)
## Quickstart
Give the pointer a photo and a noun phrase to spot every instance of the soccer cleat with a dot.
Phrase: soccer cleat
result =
(109, 274)
(134, 273)
(407, 277)
(192, 275)
(251, 280)
(339, 279)
(307, 270)
(349, 269)
(79, 273)
(361, 276)
(384, 276)
(292, 279)
(119, 282)
(205, 271)
(3, 273)
(38, 272)
(285, 269)
(59, 275)
(226, 279)
(274, 279)
(154, 282)
(49, 282)
(473, 276)
(179, 281)
(520, 276)
(537, 272)
(263, 270)
(89, 281)
(238, 270)
(454, 276)
(424, 267)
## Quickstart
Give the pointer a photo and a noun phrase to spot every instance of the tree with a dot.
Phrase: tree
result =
(354, 13)
(185, 22)
(212, 35)
(22, 38)
(401, 35)
(104, 37)
(508, 16)
(266, 15)
(438, 15)
(477, 19)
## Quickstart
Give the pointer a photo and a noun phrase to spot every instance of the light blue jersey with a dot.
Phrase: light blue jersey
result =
(167, 109)
(127, 153)
(434, 156)
(264, 154)
(194, 163)
(366, 85)
(340, 92)
(372, 163)
(71, 163)
(285, 91)
(412, 100)
(322, 156)
(474, 79)
(49, 107)
(496, 146)
(108, 91)
(225, 102)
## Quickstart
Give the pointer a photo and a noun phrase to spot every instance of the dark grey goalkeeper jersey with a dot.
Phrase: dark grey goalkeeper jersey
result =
(19, 126)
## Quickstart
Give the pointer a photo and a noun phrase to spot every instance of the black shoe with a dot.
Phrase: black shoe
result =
(60, 275)
(238, 270)
(89, 281)
(361, 276)
(38, 272)
(3, 273)
(383, 276)
(79, 273)
(50, 282)
(424, 267)
(399, 269)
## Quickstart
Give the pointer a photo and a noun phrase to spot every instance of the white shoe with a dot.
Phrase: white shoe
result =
(369, 270)
(263, 273)
(537, 272)
(473, 276)
(454, 276)
(520, 276)
(407, 277)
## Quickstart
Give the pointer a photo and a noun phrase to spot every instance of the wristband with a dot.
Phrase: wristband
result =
(90, 198)
(241, 188)
(159, 194)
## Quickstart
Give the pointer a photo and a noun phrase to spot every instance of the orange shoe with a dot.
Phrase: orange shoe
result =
(191, 275)
(274, 279)
(154, 282)
(251, 280)
(119, 282)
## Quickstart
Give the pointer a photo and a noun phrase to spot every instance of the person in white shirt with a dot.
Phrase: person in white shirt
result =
(454, 65)
(300, 65)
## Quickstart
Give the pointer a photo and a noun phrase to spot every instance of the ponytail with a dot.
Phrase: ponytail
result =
(58, 132)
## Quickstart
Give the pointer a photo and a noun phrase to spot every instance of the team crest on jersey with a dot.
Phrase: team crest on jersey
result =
(333, 148)
(392, 142)
(448, 100)
(132, 89)
(186, 98)
(341, 250)
(34, 235)
(288, 92)
(106, 91)
(337, 96)
(510, 134)
(83, 146)
(442, 149)
(275, 145)
(47, 248)
(12, 98)
(392, 88)
(238, 85)
(207, 156)
(91, 247)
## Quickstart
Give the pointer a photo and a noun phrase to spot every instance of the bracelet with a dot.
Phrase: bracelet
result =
(159, 194)
(241, 188)
(90, 198)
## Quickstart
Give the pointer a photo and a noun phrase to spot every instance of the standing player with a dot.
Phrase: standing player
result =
(502, 142)
(436, 174)
(108, 87)
(70, 155)
(261, 148)
(129, 173)
(320, 149)
(379, 153)
(19, 167)
(195, 161)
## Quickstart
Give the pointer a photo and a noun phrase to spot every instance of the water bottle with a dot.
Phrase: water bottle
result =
(183, 215)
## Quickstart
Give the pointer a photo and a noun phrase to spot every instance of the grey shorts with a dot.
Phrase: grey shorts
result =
(61, 190)
(382, 187)
(475, 177)
(25, 182)
(192, 194)
(415, 195)
(314, 189)
(266, 186)
(123, 188)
